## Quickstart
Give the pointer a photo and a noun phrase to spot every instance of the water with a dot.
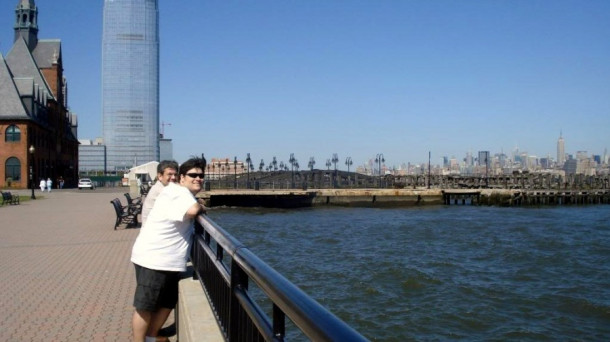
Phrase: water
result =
(446, 272)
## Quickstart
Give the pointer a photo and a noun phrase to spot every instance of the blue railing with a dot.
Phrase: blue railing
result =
(225, 267)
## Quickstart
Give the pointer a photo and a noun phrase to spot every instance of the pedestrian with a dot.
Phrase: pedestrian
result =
(43, 184)
(49, 184)
(161, 250)
(166, 172)
(61, 182)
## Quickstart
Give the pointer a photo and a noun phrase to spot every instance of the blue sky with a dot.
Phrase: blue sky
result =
(358, 78)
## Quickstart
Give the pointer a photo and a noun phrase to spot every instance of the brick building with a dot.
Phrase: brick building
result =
(34, 108)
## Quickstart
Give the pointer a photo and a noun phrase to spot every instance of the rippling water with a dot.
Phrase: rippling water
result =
(444, 273)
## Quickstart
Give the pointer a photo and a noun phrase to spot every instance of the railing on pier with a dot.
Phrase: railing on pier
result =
(225, 267)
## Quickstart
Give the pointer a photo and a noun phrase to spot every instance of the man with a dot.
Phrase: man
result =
(162, 248)
(166, 172)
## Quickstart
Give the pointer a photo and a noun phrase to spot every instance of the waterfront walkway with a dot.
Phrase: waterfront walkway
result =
(65, 273)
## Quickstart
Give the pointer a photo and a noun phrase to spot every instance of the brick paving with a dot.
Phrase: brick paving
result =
(65, 274)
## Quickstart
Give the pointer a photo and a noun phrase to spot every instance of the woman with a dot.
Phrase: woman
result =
(43, 184)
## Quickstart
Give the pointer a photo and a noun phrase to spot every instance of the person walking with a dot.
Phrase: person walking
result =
(161, 250)
(49, 184)
(42, 185)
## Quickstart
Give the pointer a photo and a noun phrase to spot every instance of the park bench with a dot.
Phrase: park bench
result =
(134, 205)
(123, 214)
(144, 188)
(9, 198)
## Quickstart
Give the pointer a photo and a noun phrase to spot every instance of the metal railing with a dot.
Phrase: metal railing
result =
(225, 267)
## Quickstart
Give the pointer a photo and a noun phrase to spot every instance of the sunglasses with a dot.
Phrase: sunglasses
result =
(195, 175)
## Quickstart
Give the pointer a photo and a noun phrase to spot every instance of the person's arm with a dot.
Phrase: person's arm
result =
(194, 210)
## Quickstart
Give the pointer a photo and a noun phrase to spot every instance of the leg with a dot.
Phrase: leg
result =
(158, 319)
(140, 323)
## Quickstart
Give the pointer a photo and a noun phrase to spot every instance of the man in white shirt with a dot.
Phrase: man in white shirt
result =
(167, 171)
(162, 248)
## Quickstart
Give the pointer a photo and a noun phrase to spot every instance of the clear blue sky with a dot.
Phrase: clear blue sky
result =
(358, 78)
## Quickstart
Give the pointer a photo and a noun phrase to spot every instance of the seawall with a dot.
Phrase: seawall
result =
(294, 198)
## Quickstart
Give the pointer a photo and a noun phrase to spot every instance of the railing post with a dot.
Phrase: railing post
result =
(279, 322)
(239, 280)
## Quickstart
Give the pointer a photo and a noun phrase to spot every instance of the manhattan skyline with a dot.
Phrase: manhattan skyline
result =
(400, 78)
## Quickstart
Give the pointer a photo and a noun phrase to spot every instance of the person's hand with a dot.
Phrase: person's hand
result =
(204, 209)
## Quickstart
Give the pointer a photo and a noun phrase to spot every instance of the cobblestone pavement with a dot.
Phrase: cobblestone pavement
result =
(65, 274)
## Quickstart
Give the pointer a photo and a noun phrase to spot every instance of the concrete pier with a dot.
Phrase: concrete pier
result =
(294, 198)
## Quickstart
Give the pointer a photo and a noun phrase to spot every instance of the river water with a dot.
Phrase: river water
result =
(444, 272)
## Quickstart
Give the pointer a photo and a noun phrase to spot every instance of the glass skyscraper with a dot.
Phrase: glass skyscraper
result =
(130, 82)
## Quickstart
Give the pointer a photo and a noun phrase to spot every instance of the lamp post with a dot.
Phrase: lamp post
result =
(248, 165)
(310, 164)
(348, 162)
(235, 172)
(486, 169)
(429, 155)
(292, 161)
(226, 173)
(379, 159)
(32, 150)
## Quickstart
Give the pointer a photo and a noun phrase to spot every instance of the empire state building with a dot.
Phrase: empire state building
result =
(561, 150)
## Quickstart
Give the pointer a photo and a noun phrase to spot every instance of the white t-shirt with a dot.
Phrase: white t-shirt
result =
(150, 199)
(164, 241)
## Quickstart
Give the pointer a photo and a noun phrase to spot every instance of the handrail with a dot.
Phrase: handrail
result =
(227, 288)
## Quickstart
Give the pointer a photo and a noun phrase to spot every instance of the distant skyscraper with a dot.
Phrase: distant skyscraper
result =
(561, 150)
(130, 82)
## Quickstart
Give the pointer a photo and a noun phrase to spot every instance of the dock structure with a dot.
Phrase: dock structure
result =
(296, 198)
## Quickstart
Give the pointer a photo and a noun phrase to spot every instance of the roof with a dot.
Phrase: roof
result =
(47, 52)
(22, 64)
(149, 168)
(11, 106)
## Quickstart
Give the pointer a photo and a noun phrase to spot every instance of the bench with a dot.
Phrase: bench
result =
(134, 205)
(9, 198)
(123, 214)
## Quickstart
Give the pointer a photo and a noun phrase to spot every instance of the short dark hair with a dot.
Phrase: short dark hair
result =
(192, 163)
(167, 164)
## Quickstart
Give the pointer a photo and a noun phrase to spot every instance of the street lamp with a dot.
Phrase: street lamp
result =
(292, 161)
(226, 172)
(32, 150)
(235, 172)
(379, 159)
(248, 165)
(348, 162)
(310, 164)
(429, 155)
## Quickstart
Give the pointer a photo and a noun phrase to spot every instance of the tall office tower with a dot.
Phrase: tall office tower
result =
(130, 82)
(561, 150)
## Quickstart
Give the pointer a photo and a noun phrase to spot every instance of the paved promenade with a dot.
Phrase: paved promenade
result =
(65, 274)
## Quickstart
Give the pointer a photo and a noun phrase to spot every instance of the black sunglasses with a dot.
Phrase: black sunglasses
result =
(195, 175)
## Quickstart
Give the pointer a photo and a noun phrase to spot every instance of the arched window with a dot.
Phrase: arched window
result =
(13, 169)
(12, 134)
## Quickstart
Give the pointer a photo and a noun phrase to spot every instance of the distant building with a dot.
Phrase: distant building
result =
(484, 159)
(166, 149)
(34, 108)
(92, 156)
(130, 82)
(570, 166)
(561, 150)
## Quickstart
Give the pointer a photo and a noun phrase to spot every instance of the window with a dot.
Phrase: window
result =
(13, 169)
(13, 134)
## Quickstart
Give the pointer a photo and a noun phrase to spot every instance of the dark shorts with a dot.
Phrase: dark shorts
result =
(155, 289)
